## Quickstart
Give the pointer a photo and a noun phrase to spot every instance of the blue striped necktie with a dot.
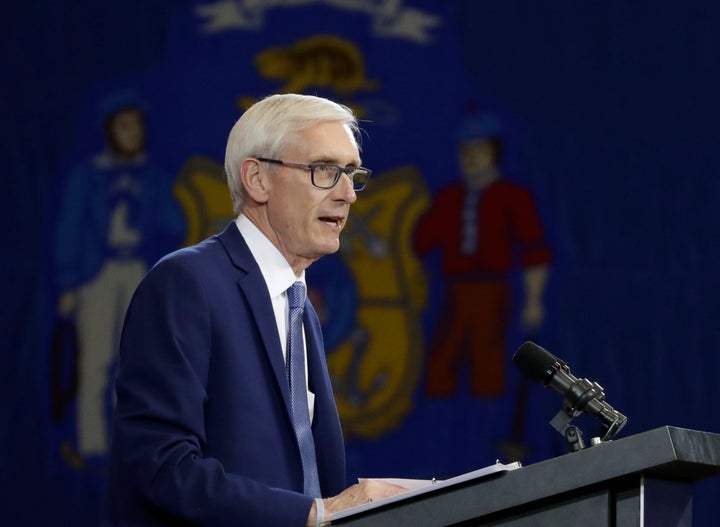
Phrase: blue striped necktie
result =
(298, 390)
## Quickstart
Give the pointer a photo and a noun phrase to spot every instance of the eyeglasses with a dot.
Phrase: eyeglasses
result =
(326, 176)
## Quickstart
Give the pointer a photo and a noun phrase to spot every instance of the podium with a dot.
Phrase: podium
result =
(641, 480)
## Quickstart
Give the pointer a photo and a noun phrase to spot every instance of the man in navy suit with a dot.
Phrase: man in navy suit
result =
(203, 431)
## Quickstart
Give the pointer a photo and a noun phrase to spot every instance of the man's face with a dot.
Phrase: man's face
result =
(306, 221)
(476, 156)
(127, 133)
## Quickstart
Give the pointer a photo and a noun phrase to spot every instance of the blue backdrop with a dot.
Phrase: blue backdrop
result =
(608, 115)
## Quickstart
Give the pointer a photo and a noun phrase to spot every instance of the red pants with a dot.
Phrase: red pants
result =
(473, 326)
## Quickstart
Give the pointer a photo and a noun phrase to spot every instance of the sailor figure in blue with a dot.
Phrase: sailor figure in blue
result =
(117, 217)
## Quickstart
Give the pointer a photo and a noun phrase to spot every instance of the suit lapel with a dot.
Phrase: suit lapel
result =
(315, 350)
(252, 286)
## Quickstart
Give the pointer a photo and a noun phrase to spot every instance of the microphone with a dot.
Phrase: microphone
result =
(580, 395)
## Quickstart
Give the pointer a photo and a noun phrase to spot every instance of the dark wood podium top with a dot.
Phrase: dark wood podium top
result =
(666, 453)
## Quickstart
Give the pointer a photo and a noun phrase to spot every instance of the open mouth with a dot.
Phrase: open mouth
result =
(333, 221)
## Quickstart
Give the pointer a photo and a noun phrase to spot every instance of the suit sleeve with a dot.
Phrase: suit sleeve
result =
(158, 465)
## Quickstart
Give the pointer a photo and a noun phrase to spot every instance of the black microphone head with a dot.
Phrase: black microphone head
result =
(536, 363)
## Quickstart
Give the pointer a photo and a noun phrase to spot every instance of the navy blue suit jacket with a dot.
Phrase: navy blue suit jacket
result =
(202, 432)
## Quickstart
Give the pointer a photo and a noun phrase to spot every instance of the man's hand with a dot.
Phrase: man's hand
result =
(67, 303)
(364, 492)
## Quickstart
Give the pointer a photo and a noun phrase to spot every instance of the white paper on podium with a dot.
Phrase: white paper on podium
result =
(417, 487)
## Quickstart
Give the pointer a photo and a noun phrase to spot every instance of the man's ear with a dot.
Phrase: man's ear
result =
(254, 178)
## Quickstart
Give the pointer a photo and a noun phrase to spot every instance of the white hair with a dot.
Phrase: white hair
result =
(269, 125)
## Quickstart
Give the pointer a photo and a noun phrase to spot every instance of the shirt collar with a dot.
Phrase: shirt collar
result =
(274, 267)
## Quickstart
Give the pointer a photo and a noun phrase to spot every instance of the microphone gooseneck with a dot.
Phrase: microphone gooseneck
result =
(579, 395)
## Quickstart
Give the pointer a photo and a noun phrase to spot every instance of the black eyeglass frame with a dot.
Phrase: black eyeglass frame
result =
(350, 171)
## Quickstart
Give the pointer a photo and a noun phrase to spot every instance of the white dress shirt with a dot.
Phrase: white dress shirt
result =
(278, 276)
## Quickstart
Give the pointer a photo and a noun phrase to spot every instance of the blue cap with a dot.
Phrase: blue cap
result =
(118, 101)
(478, 126)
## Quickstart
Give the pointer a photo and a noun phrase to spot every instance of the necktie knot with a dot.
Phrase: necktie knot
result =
(296, 295)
